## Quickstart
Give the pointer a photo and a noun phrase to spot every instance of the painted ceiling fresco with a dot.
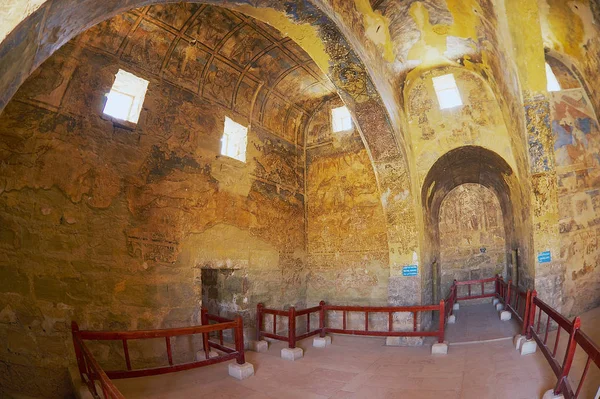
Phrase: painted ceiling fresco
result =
(219, 54)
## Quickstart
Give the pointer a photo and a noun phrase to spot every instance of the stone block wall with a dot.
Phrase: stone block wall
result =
(110, 225)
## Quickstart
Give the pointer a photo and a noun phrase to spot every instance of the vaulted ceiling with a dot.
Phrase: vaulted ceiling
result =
(221, 55)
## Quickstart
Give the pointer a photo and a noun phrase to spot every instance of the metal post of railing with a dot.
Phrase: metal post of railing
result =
(239, 339)
(497, 284)
(442, 321)
(205, 343)
(78, 354)
(569, 355)
(322, 319)
(531, 314)
(526, 314)
(455, 293)
(507, 299)
(292, 327)
(259, 320)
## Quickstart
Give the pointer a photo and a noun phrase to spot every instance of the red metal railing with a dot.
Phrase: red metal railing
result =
(503, 289)
(291, 337)
(517, 302)
(90, 371)
(593, 355)
(482, 283)
(575, 337)
(450, 301)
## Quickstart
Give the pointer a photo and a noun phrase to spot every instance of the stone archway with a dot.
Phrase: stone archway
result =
(471, 165)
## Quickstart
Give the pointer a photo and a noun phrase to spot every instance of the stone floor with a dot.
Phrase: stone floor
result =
(479, 322)
(362, 367)
(359, 367)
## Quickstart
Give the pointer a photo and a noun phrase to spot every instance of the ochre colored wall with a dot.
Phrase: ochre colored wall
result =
(110, 226)
(346, 236)
(577, 148)
(436, 131)
(472, 237)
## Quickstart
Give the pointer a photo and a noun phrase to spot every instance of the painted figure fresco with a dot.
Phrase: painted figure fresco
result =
(575, 129)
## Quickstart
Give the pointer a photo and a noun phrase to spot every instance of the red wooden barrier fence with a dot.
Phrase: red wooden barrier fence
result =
(291, 337)
(575, 337)
(480, 283)
(449, 302)
(90, 371)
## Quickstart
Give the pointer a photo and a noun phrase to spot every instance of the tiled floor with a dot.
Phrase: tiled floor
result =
(479, 323)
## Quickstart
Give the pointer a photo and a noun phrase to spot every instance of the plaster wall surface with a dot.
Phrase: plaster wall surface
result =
(472, 237)
(577, 145)
(346, 240)
(110, 224)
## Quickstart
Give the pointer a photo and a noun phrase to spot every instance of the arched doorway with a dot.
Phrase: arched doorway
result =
(469, 192)
(472, 235)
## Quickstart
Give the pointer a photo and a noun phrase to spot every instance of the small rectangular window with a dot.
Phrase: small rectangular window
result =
(447, 92)
(341, 119)
(234, 140)
(126, 97)
(553, 84)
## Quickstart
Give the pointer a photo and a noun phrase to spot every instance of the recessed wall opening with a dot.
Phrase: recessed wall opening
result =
(125, 99)
(223, 293)
(468, 196)
(472, 237)
(235, 140)
(446, 91)
(341, 119)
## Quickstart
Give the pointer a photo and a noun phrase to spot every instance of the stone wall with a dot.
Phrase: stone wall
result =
(577, 145)
(346, 235)
(110, 225)
(472, 238)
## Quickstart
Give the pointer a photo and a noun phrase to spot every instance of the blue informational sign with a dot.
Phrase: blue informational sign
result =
(544, 257)
(410, 270)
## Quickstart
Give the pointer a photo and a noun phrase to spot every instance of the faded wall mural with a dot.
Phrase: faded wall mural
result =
(577, 149)
(472, 237)
(111, 224)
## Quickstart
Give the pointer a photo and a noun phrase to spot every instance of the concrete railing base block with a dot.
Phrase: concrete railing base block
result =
(495, 301)
(322, 342)
(550, 395)
(518, 341)
(528, 347)
(505, 315)
(499, 307)
(456, 306)
(292, 353)
(259, 346)
(439, 348)
(241, 371)
(451, 319)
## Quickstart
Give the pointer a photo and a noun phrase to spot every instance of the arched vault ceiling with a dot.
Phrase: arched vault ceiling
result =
(219, 54)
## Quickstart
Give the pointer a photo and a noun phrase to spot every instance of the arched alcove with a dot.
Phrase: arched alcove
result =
(474, 166)
(472, 236)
